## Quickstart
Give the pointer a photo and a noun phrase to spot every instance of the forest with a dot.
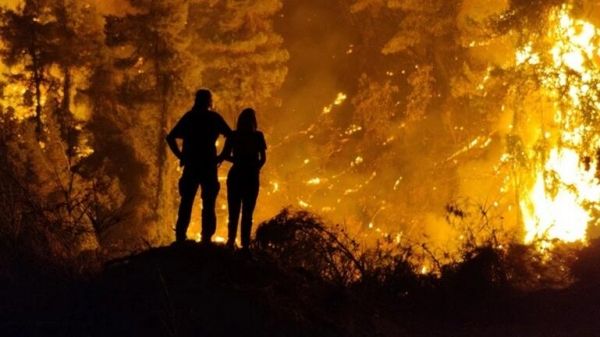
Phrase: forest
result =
(421, 153)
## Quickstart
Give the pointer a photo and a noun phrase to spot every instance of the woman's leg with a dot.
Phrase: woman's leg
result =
(248, 204)
(234, 202)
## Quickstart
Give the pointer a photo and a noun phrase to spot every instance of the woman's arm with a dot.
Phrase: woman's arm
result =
(262, 150)
(263, 158)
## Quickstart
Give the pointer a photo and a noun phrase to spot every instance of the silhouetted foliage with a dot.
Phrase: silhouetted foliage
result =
(301, 240)
(293, 282)
(586, 266)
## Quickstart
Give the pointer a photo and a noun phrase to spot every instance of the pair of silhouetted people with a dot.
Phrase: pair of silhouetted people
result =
(245, 148)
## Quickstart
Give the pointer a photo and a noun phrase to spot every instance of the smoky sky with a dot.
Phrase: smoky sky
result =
(318, 61)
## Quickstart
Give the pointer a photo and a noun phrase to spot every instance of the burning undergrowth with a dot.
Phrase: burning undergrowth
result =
(302, 240)
(493, 107)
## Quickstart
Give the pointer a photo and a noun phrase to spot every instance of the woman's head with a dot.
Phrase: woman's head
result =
(247, 121)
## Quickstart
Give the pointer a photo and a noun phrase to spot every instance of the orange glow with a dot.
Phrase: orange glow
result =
(559, 204)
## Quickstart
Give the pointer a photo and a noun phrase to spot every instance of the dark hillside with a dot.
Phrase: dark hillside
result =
(194, 290)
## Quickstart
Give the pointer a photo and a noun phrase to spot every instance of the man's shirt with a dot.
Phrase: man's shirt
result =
(200, 131)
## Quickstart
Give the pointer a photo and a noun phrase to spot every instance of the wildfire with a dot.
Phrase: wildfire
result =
(560, 202)
(339, 100)
(562, 215)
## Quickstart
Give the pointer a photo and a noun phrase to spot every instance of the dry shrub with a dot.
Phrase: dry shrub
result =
(299, 239)
(492, 257)
(487, 263)
(585, 267)
(530, 268)
(37, 235)
(390, 266)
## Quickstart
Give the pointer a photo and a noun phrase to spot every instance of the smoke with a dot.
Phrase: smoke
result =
(11, 4)
(426, 127)
(383, 116)
(114, 7)
(105, 7)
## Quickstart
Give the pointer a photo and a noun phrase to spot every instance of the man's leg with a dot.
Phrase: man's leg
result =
(234, 201)
(248, 205)
(188, 186)
(210, 190)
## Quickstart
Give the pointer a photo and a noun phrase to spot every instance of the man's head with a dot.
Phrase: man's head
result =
(203, 100)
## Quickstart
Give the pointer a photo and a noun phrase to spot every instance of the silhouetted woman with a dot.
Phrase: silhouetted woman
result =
(245, 148)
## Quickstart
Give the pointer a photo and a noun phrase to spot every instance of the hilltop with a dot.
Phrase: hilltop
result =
(196, 290)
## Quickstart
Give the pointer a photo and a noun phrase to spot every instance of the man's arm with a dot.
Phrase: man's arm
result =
(224, 129)
(177, 132)
(171, 140)
(226, 153)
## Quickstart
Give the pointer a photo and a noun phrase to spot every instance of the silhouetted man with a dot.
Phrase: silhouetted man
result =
(199, 130)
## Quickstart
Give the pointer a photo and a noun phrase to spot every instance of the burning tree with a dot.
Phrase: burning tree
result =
(558, 131)
(241, 56)
(100, 91)
(486, 100)
(150, 51)
(45, 83)
(436, 102)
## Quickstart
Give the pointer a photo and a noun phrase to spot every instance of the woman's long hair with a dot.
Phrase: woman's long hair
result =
(247, 121)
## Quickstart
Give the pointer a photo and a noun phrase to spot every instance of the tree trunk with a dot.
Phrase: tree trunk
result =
(163, 195)
(37, 81)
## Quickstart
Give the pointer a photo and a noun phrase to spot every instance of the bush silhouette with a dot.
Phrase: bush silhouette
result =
(301, 240)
